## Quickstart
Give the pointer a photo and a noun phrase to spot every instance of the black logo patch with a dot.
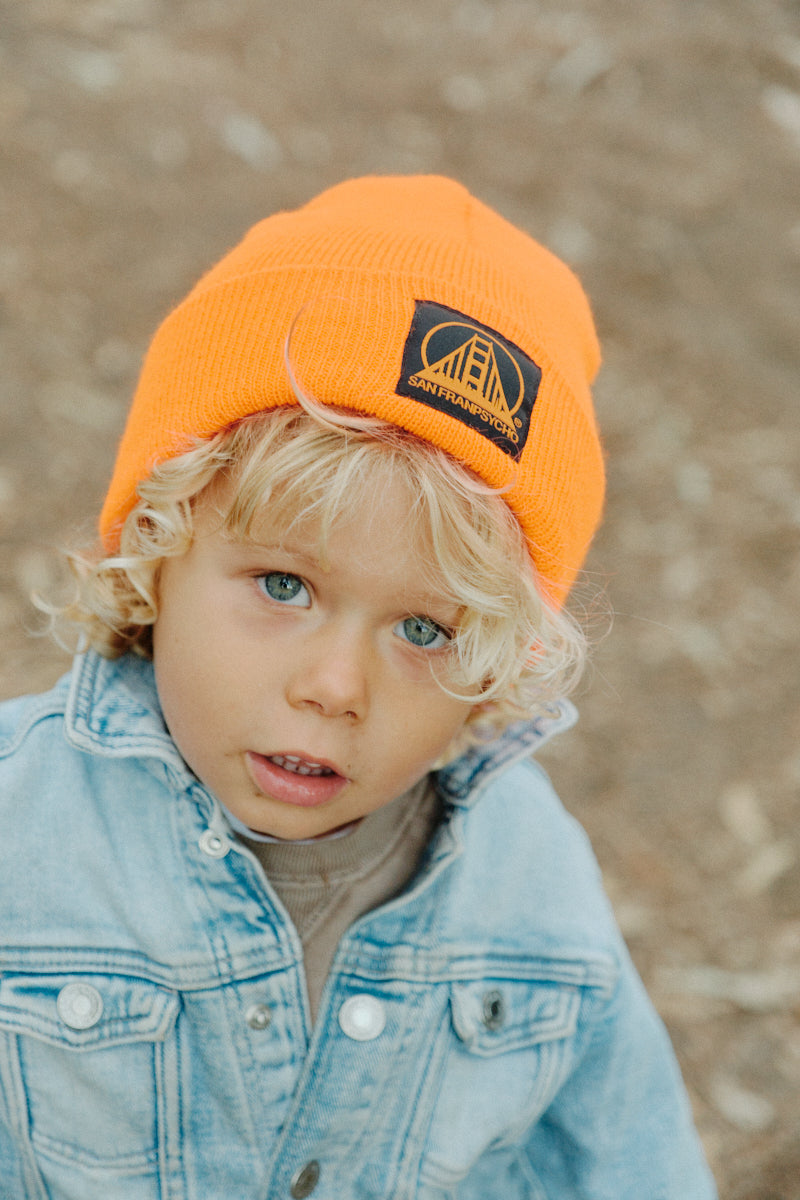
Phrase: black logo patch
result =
(464, 369)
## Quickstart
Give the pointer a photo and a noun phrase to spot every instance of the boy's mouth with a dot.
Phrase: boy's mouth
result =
(295, 779)
(300, 766)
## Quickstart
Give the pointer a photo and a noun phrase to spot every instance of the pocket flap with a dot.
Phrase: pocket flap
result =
(495, 1016)
(86, 1011)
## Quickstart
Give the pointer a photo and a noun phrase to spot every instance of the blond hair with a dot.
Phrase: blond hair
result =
(511, 653)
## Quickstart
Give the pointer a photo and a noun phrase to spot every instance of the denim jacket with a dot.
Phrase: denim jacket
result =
(481, 1035)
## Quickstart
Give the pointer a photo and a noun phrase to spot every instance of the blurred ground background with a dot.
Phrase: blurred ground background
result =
(655, 146)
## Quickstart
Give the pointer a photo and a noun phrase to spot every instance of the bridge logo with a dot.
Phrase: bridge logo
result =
(465, 369)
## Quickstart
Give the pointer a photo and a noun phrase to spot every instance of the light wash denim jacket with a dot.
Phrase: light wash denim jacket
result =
(482, 1036)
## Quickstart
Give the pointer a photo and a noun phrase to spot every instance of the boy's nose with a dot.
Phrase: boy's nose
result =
(332, 677)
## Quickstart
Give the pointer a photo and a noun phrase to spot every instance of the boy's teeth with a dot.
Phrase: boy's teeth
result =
(290, 762)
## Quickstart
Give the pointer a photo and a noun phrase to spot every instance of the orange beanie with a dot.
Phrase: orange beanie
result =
(409, 300)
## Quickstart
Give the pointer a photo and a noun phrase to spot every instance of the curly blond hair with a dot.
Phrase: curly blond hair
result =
(511, 653)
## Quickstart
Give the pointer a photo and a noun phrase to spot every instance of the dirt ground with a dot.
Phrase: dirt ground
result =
(655, 146)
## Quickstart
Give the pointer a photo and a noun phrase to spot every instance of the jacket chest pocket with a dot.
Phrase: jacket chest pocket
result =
(91, 1071)
(508, 1050)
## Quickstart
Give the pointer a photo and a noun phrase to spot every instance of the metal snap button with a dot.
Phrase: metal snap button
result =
(258, 1016)
(305, 1180)
(213, 844)
(79, 1005)
(494, 1010)
(362, 1017)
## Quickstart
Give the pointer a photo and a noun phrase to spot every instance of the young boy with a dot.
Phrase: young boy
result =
(287, 908)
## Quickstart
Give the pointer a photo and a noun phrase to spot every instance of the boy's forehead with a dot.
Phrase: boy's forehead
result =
(358, 533)
(371, 533)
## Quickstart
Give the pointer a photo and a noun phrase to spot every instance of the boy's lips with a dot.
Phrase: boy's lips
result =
(295, 778)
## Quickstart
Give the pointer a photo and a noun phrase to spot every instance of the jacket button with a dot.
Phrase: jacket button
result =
(305, 1180)
(213, 844)
(79, 1005)
(258, 1016)
(362, 1017)
(494, 1010)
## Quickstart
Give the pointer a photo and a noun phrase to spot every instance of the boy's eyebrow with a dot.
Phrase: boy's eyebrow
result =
(305, 555)
(254, 545)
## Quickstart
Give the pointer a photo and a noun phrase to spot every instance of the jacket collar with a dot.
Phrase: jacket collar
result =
(113, 710)
(460, 781)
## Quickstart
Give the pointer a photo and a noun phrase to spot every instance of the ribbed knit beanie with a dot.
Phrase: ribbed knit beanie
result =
(409, 300)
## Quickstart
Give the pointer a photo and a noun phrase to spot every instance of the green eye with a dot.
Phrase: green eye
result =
(285, 588)
(421, 631)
